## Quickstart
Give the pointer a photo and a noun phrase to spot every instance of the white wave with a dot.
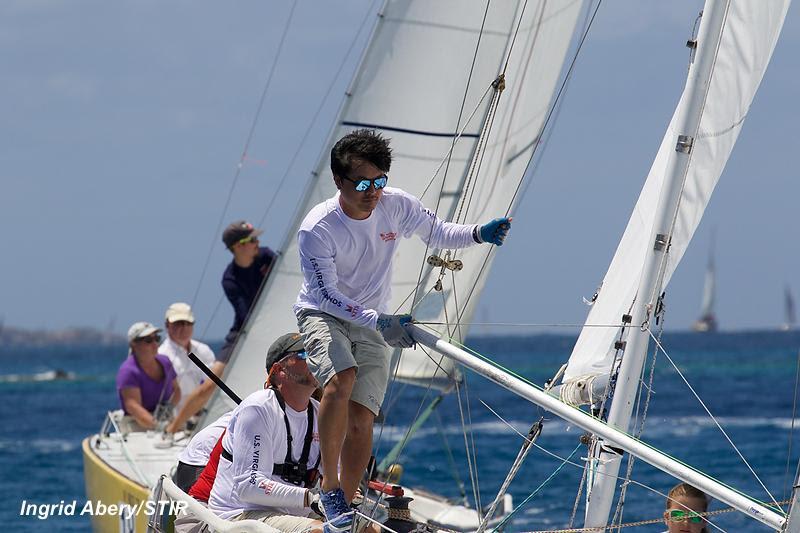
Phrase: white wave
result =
(40, 445)
(49, 375)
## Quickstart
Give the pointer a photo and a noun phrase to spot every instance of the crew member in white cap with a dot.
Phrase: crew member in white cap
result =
(179, 323)
(146, 378)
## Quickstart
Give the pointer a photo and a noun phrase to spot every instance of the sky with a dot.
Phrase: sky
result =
(124, 124)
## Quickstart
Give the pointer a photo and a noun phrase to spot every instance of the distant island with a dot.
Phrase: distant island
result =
(11, 336)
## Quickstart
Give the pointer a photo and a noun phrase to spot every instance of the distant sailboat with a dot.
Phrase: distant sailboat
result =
(789, 310)
(708, 321)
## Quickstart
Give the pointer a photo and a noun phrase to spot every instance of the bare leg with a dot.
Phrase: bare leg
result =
(333, 420)
(357, 448)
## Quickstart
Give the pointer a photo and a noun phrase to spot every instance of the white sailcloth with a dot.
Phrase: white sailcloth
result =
(410, 86)
(749, 36)
(709, 291)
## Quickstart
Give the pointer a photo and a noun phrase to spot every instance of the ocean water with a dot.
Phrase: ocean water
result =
(747, 380)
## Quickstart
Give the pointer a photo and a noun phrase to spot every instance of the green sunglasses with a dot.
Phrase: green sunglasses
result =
(676, 515)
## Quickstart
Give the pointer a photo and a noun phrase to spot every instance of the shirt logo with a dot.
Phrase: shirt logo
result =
(390, 236)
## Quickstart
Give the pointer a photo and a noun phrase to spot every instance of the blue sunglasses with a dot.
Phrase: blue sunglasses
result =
(363, 184)
(300, 355)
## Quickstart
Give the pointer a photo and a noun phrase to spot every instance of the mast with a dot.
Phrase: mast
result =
(587, 422)
(606, 458)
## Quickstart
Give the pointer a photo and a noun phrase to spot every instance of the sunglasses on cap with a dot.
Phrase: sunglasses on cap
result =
(677, 515)
(149, 339)
(363, 184)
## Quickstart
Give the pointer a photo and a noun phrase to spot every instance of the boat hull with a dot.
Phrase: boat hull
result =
(107, 486)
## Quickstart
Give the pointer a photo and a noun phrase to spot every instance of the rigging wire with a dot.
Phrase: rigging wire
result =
(528, 382)
(529, 164)
(640, 419)
(568, 461)
(450, 459)
(719, 426)
(339, 70)
(452, 146)
(791, 430)
(242, 158)
(557, 100)
(470, 467)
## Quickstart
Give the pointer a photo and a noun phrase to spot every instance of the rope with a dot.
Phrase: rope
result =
(645, 522)
(633, 482)
(533, 435)
(450, 459)
(536, 491)
(470, 467)
(791, 431)
(242, 158)
(640, 426)
(122, 440)
(339, 70)
(452, 146)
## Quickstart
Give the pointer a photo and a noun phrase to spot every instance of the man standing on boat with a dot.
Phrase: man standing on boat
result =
(346, 246)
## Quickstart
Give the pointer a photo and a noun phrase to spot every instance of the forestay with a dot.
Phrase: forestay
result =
(410, 85)
(749, 36)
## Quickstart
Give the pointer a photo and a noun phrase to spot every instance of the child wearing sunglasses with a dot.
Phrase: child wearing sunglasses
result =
(685, 505)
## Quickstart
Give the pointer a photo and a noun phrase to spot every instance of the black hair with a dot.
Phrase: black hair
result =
(363, 144)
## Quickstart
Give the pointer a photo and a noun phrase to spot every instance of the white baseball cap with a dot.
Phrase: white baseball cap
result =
(141, 329)
(179, 311)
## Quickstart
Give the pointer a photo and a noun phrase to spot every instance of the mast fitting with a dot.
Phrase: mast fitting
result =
(499, 83)
(662, 242)
(685, 143)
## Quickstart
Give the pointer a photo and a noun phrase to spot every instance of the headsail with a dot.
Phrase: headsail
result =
(414, 95)
(749, 37)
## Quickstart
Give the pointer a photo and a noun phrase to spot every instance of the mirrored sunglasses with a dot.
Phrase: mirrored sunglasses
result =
(363, 184)
(677, 515)
(149, 339)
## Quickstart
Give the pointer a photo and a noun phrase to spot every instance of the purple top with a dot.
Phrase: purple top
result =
(130, 375)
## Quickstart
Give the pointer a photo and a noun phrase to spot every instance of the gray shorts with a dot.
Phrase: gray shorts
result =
(334, 345)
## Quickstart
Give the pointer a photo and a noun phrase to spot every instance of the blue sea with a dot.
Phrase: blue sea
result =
(747, 380)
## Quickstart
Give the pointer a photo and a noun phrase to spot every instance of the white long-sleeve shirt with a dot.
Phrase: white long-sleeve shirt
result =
(202, 443)
(347, 263)
(189, 376)
(256, 437)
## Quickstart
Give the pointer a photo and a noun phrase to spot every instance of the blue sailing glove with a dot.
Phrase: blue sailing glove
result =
(495, 231)
(392, 327)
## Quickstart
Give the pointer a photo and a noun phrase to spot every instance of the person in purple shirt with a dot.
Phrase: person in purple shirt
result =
(146, 378)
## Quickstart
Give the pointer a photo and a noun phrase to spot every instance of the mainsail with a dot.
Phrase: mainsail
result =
(423, 59)
(750, 33)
